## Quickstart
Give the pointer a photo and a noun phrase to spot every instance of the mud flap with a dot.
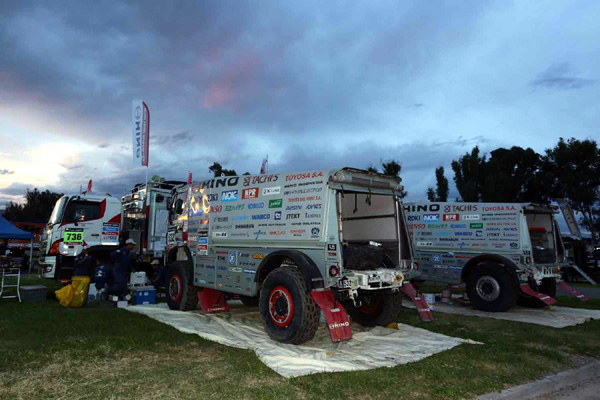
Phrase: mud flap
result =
(335, 314)
(540, 296)
(212, 301)
(572, 292)
(417, 298)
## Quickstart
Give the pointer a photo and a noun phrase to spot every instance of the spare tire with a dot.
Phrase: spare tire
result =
(363, 257)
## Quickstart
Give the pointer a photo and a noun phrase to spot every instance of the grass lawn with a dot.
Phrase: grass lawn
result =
(47, 352)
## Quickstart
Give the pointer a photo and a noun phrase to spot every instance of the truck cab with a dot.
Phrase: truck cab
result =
(79, 220)
(291, 244)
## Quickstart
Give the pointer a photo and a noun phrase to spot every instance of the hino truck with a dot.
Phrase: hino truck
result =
(79, 220)
(503, 252)
(293, 243)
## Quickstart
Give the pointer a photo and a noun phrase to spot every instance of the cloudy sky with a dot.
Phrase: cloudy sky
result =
(311, 84)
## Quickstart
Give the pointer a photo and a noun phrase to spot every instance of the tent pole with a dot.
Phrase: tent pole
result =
(30, 256)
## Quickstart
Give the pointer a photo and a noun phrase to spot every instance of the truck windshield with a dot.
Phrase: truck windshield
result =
(79, 211)
(59, 207)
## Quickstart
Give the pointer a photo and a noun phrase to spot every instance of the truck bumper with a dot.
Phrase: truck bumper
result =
(372, 280)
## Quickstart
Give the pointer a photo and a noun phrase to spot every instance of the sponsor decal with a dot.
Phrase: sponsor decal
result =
(470, 217)
(204, 221)
(476, 225)
(219, 234)
(499, 208)
(416, 226)
(451, 217)
(479, 233)
(431, 218)
(292, 216)
(424, 244)
(458, 226)
(277, 215)
(305, 175)
(244, 226)
(250, 271)
(239, 218)
(229, 195)
(422, 207)
(261, 216)
(220, 219)
(339, 325)
(238, 207)
(254, 206)
(313, 207)
(315, 232)
(514, 245)
(251, 193)
(297, 232)
(311, 215)
(293, 208)
(413, 218)
(257, 256)
(309, 198)
(463, 233)
(302, 191)
(276, 233)
(436, 258)
(277, 203)
(271, 191)
(244, 255)
(492, 234)
(258, 179)
(332, 247)
(221, 182)
(436, 226)
(211, 197)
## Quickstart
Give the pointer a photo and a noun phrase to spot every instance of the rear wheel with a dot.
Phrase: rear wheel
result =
(181, 295)
(492, 288)
(378, 308)
(288, 313)
(548, 286)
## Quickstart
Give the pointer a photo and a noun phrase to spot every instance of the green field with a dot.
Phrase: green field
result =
(47, 352)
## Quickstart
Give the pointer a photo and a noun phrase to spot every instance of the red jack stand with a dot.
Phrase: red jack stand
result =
(573, 292)
(417, 298)
(335, 314)
(540, 296)
(212, 301)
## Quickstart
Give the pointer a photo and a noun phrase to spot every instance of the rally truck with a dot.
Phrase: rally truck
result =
(503, 252)
(145, 217)
(79, 220)
(293, 243)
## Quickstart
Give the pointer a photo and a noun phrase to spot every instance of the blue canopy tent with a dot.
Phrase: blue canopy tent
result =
(9, 231)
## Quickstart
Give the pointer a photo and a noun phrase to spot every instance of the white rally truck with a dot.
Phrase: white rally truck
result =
(293, 243)
(145, 217)
(503, 252)
(79, 220)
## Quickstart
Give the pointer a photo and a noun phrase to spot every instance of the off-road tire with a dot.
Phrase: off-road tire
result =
(379, 308)
(303, 320)
(548, 287)
(184, 297)
(249, 301)
(507, 291)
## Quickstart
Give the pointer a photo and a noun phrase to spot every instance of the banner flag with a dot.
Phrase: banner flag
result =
(569, 215)
(140, 132)
(89, 186)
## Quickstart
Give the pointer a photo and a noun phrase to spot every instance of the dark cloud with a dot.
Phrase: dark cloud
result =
(560, 76)
(103, 145)
(6, 172)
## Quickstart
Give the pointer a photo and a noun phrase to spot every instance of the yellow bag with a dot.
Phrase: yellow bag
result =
(65, 295)
(75, 294)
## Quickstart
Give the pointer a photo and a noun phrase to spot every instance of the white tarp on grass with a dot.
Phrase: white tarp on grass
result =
(369, 348)
(555, 317)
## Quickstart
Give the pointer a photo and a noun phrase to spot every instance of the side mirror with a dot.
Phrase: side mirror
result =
(179, 206)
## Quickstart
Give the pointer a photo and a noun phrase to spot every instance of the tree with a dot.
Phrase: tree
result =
(218, 170)
(441, 191)
(393, 168)
(515, 175)
(469, 175)
(574, 167)
(371, 168)
(38, 206)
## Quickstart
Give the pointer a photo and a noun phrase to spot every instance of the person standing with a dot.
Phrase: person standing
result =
(122, 266)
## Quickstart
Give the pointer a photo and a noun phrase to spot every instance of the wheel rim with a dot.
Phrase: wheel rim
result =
(372, 307)
(281, 306)
(175, 286)
(487, 288)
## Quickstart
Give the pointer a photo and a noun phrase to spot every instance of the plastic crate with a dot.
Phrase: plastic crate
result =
(33, 294)
(144, 295)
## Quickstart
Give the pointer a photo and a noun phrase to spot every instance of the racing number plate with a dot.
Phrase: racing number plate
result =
(73, 236)
(346, 283)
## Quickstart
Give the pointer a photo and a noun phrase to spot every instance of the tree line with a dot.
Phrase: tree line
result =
(569, 170)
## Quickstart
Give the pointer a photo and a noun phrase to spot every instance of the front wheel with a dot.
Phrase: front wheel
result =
(289, 314)
(492, 288)
(378, 308)
(181, 294)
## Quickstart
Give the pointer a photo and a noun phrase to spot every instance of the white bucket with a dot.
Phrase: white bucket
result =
(430, 300)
